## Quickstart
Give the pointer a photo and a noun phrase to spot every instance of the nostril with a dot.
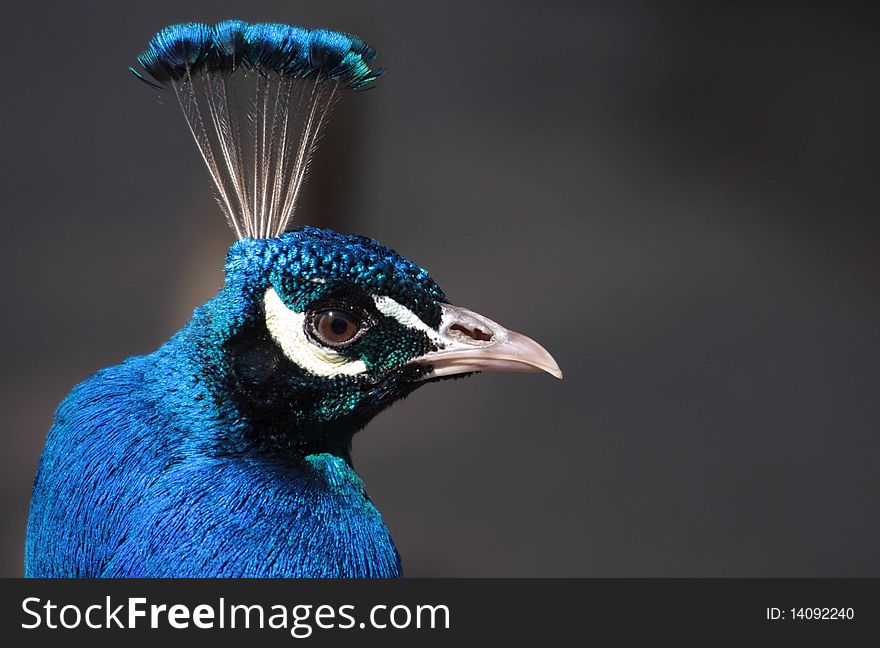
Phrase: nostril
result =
(473, 333)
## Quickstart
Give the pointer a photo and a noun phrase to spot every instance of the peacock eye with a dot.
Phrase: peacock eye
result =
(335, 327)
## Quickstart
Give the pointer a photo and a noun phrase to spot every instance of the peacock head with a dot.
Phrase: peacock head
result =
(323, 330)
(314, 332)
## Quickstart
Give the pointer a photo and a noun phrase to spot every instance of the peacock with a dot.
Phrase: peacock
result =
(227, 451)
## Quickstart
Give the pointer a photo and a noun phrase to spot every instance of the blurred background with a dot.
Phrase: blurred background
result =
(679, 203)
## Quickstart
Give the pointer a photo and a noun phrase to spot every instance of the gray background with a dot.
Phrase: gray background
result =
(679, 203)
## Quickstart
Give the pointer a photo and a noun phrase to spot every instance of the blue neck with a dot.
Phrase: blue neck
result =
(147, 474)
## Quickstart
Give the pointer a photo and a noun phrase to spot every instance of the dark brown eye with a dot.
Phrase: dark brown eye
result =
(335, 327)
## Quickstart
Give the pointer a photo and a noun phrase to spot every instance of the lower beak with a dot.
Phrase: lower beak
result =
(471, 342)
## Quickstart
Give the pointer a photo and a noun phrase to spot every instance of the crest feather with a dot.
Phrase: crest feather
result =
(255, 98)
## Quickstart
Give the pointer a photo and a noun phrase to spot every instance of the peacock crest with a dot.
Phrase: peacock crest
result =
(256, 98)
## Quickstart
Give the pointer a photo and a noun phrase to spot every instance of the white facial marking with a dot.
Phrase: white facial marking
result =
(406, 317)
(287, 328)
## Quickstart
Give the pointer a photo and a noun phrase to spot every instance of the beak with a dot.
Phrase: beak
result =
(470, 342)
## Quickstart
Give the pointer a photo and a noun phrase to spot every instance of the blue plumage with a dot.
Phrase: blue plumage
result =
(227, 452)
(179, 50)
(153, 469)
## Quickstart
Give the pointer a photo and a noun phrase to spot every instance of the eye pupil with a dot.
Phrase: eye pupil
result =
(339, 326)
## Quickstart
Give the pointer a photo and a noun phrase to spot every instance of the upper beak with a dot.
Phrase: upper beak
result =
(470, 342)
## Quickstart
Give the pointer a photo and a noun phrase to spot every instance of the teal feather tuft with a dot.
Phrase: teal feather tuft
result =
(178, 51)
(256, 98)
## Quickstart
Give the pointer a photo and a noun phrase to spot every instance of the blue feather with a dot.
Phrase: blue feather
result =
(278, 48)
(228, 49)
(326, 55)
(177, 50)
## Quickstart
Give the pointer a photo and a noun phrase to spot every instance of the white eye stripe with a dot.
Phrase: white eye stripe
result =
(287, 328)
(407, 318)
